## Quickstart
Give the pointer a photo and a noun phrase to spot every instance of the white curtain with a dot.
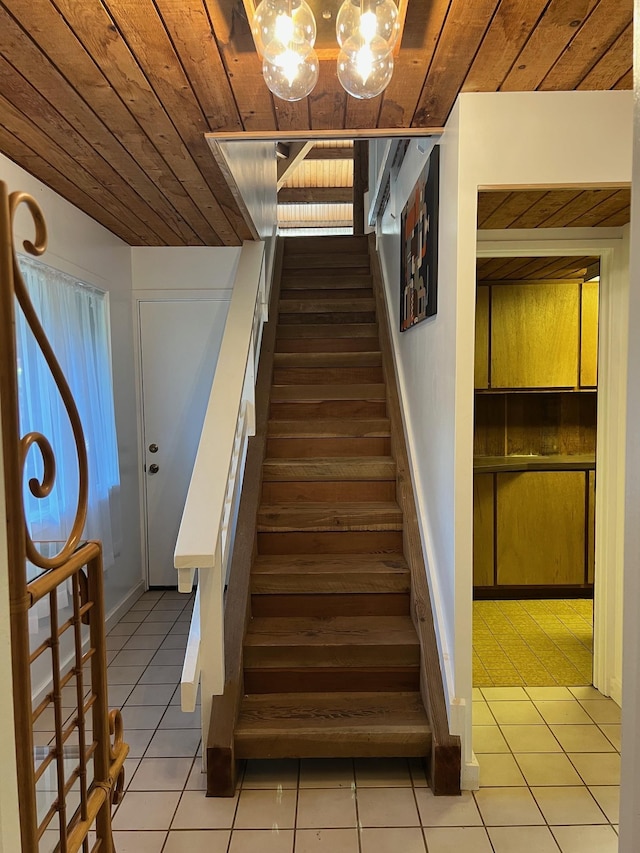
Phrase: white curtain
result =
(75, 318)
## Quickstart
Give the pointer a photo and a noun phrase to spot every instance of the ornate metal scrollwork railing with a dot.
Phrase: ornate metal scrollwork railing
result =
(79, 774)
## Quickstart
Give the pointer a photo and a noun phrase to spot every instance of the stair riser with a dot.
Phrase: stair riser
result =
(329, 584)
(326, 375)
(330, 491)
(327, 360)
(350, 261)
(324, 305)
(339, 345)
(328, 409)
(322, 330)
(302, 745)
(337, 244)
(328, 317)
(305, 448)
(365, 680)
(385, 542)
(336, 604)
(328, 293)
(305, 656)
(301, 281)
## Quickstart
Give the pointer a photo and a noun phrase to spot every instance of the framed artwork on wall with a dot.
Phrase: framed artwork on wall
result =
(419, 247)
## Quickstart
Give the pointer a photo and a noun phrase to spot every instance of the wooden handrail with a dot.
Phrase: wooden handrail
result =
(98, 789)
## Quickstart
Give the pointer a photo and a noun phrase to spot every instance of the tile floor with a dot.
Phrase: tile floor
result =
(549, 761)
(538, 643)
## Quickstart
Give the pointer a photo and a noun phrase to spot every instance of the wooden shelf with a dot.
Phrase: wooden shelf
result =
(490, 464)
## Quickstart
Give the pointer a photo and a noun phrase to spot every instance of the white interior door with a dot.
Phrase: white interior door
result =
(180, 341)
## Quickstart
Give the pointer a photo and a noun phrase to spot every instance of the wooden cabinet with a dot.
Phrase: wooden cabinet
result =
(483, 528)
(535, 335)
(540, 527)
(481, 364)
(589, 335)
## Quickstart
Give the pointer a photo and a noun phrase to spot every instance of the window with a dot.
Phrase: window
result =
(75, 318)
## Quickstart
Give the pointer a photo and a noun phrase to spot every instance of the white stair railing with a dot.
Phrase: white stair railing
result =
(205, 538)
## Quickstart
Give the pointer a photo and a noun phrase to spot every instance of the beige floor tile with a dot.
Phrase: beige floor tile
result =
(130, 767)
(174, 743)
(549, 693)
(522, 839)
(482, 715)
(382, 773)
(530, 739)
(124, 674)
(197, 841)
(447, 811)
(151, 694)
(326, 808)
(562, 713)
(168, 657)
(547, 768)
(488, 739)
(158, 629)
(407, 840)
(613, 733)
(387, 807)
(586, 693)
(597, 768)
(602, 711)
(260, 841)
(118, 694)
(122, 629)
(138, 741)
(151, 810)
(586, 839)
(515, 713)
(508, 807)
(608, 798)
(161, 774)
(144, 641)
(141, 842)
(271, 774)
(325, 841)
(477, 695)
(195, 811)
(176, 718)
(266, 810)
(133, 657)
(418, 773)
(141, 716)
(581, 738)
(326, 773)
(497, 770)
(457, 839)
(197, 780)
(568, 805)
(503, 694)
(161, 675)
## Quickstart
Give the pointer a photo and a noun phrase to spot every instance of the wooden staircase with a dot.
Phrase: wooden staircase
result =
(331, 660)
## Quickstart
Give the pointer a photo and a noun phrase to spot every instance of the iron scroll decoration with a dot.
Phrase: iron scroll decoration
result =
(43, 488)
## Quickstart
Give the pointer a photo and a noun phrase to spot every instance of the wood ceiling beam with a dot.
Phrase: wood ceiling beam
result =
(297, 153)
(330, 153)
(319, 195)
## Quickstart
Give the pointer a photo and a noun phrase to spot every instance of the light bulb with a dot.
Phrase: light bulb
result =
(290, 73)
(365, 68)
(376, 18)
(284, 20)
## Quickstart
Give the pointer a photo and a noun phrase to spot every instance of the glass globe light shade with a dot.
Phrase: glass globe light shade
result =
(286, 21)
(374, 18)
(365, 68)
(290, 73)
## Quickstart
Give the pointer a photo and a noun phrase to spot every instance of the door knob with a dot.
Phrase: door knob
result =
(153, 448)
(153, 469)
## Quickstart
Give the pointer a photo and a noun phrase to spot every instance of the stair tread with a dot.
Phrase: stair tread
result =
(331, 631)
(326, 261)
(330, 428)
(321, 393)
(334, 515)
(332, 468)
(298, 280)
(328, 359)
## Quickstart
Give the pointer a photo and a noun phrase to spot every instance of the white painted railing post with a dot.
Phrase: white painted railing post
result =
(211, 588)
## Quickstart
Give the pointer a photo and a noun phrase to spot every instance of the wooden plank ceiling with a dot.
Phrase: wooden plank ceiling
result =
(533, 269)
(569, 208)
(107, 101)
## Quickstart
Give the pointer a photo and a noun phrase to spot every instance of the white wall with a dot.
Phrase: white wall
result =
(81, 247)
(180, 269)
(630, 773)
(491, 141)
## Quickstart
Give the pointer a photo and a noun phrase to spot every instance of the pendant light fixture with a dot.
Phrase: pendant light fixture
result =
(285, 31)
